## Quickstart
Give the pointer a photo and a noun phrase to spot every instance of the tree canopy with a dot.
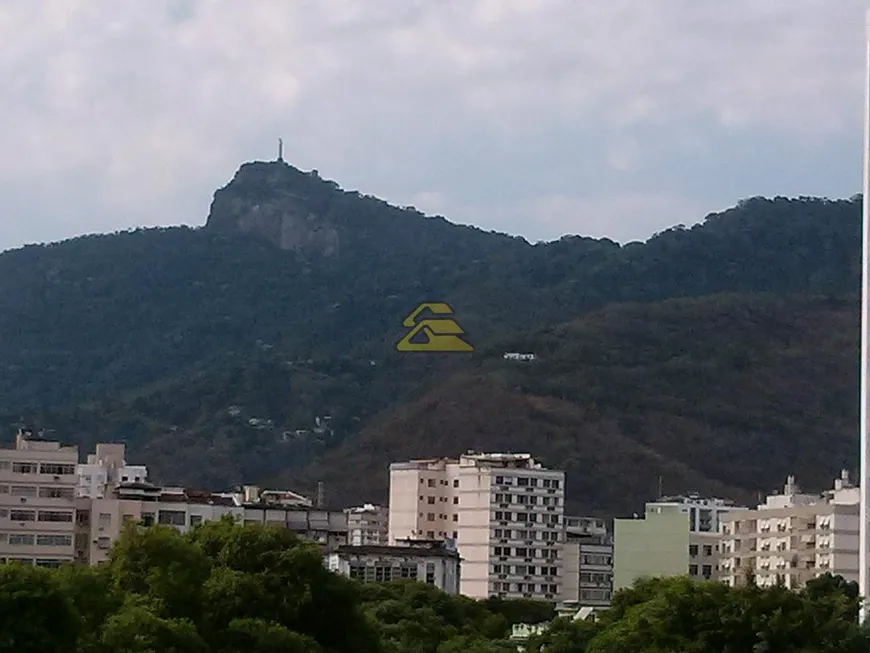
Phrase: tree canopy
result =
(229, 588)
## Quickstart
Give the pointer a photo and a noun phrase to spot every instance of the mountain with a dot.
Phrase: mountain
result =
(261, 347)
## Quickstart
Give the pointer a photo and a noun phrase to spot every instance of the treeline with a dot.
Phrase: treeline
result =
(227, 588)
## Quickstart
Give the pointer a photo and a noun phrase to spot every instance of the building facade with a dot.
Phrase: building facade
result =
(105, 469)
(588, 563)
(367, 525)
(427, 562)
(37, 502)
(677, 536)
(793, 537)
(504, 512)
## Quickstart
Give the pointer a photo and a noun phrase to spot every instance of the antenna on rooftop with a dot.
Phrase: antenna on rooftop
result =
(281, 149)
(321, 495)
(661, 486)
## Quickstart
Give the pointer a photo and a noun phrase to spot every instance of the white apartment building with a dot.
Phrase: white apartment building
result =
(678, 535)
(367, 525)
(503, 511)
(37, 501)
(588, 563)
(106, 469)
(793, 537)
(427, 562)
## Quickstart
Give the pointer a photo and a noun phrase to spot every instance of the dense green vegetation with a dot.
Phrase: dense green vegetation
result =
(227, 588)
(174, 340)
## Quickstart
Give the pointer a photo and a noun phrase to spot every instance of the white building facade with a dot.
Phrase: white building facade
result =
(503, 511)
(367, 525)
(105, 469)
(793, 537)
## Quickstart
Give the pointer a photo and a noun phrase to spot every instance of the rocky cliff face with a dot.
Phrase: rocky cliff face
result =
(280, 203)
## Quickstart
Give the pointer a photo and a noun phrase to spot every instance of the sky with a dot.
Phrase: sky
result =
(540, 118)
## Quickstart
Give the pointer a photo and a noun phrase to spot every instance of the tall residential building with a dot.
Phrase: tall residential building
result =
(367, 525)
(503, 511)
(37, 501)
(106, 469)
(588, 565)
(793, 537)
(677, 536)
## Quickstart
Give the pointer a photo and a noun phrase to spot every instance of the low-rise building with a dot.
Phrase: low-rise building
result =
(106, 469)
(327, 528)
(587, 578)
(432, 562)
(677, 536)
(367, 525)
(793, 537)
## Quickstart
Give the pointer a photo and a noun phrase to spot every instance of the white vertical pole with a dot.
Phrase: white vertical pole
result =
(863, 560)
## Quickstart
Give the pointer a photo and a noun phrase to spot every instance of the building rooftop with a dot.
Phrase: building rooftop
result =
(432, 548)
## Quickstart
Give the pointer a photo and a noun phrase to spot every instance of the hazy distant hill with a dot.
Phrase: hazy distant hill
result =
(232, 339)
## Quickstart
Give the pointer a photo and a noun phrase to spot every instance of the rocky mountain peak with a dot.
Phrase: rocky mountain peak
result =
(278, 202)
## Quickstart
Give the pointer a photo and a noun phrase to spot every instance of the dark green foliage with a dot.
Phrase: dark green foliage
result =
(258, 589)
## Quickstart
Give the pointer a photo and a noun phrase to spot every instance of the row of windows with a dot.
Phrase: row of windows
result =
(595, 577)
(596, 559)
(43, 492)
(594, 595)
(50, 563)
(525, 588)
(431, 500)
(383, 573)
(524, 552)
(525, 570)
(526, 481)
(17, 514)
(56, 469)
(546, 536)
(706, 571)
(525, 499)
(28, 539)
(431, 482)
(531, 517)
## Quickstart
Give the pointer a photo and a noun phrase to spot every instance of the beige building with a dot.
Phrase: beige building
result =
(427, 562)
(587, 579)
(503, 511)
(37, 501)
(367, 525)
(793, 537)
(678, 536)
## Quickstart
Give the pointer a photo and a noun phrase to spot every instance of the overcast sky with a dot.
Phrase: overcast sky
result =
(536, 117)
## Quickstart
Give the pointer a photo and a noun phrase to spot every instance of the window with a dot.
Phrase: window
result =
(21, 539)
(455, 517)
(707, 571)
(708, 550)
(55, 515)
(57, 469)
(430, 516)
(431, 482)
(693, 549)
(430, 573)
(499, 480)
(23, 490)
(22, 515)
(25, 468)
(455, 501)
(172, 517)
(56, 493)
(195, 519)
(54, 540)
(455, 482)
(430, 535)
(455, 535)
(49, 563)
(693, 570)
(522, 481)
(430, 500)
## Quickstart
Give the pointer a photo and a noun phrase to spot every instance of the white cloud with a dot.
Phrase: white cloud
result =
(156, 103)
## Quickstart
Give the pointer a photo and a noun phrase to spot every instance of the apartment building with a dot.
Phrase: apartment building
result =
(328, 528)
(588, 563)
(37, 501)
(367, 525)
(435, 563)
(678, 536)
(793, 537)
(105, 469)
(503, 511)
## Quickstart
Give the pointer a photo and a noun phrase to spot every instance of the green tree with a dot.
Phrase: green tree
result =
(136, 629)
(36, 615)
